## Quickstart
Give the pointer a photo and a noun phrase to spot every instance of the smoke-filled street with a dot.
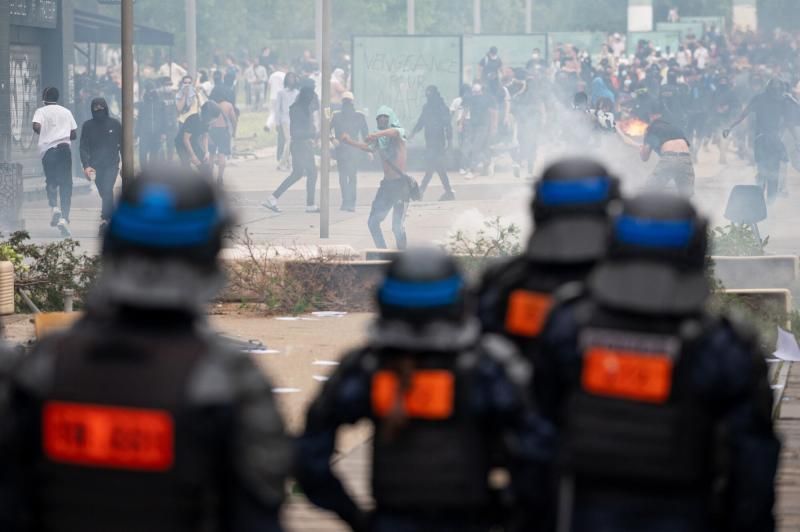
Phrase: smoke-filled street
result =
(399, 266)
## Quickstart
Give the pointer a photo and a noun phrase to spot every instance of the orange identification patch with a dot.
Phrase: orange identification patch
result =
(527, 312)
(430, 395)
(104, 436)
(627, 374)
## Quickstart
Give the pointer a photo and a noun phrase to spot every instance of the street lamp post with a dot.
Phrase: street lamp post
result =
(127, 91)
(528, 16)
(410, 17)
(476, 16)
(325, 129)
(191, 37)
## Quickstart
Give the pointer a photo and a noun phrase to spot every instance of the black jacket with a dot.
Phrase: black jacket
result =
(101, 138)
(435, 120)
(152, 120)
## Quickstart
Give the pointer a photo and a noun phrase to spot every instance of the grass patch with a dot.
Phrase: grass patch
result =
(250, 135)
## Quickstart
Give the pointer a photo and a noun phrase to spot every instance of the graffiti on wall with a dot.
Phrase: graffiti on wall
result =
(25, 88)
(38, 13)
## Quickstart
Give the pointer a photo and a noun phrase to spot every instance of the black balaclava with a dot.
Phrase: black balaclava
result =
(99, 109)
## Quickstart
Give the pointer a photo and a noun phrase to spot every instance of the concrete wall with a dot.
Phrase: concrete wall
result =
(640, 15)
(745, 15)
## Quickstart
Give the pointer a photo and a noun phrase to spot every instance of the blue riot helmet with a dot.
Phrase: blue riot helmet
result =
(160, 249)
(422, 286)
(570, 212)
(656, 259)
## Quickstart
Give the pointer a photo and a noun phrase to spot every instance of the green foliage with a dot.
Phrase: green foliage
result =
(495, 239)
(293, 284)
(9, 254)
(47, 270)
(736, 240)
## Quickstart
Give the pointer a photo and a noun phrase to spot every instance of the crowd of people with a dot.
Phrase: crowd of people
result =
(669, 102)
(580, 386)
(690, 98)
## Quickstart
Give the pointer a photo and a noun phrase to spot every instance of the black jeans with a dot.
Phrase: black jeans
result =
(281, 142)
(149, 149)
(436, 161)
(477, 145)
(57, 164)
(770, 154)
(106, 178)
(392, 196)
(348, 180)
(303, 165)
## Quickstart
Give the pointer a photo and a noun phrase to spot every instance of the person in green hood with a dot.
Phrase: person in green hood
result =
(394, 194)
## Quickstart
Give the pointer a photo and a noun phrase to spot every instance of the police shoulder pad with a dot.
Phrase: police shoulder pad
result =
(501, 269)
(740, 326)
(504, 353)
(569, 293)
(35, 372)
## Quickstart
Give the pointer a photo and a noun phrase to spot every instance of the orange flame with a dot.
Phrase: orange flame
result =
(634, 127)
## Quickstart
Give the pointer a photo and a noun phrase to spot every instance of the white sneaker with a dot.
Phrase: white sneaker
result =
(312, 208)
(63, 226)
(469, 175)
(271, 204)
(462, 171)
(56, 217)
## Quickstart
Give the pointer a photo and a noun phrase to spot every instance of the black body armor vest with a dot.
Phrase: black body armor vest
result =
(439, 458)
(119, 441)
(631, 418)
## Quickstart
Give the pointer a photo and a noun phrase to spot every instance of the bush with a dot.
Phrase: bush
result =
(297, 283)
(45, 271)
(737, 240)
(495, 239)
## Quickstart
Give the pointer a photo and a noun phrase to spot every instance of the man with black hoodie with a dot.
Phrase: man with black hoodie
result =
(101, 140)
(151, 126)
(435, 120)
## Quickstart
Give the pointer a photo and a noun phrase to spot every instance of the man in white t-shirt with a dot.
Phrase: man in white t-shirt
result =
(701, 57)
(275, 85)
(262, 77)
(56, 128)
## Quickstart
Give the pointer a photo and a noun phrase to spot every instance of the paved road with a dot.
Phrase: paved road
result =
(249, 182)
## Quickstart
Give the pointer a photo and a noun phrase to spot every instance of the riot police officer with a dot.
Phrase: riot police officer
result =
(442, 399)
(663, 411)
(138, 418)
(571, 225)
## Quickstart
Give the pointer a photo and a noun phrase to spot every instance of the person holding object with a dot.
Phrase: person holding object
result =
(186, 100)
(56, 128)
(673, 148)
(191, 143)
(101, 141)
(352, 123)
(397, 188)
(773, 110)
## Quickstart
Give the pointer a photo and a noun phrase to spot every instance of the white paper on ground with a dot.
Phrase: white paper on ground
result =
(329, 314)
(288, 318)
(263, 351)
(320, 378)
(787, 348)
(286, 390)
(325, 363)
